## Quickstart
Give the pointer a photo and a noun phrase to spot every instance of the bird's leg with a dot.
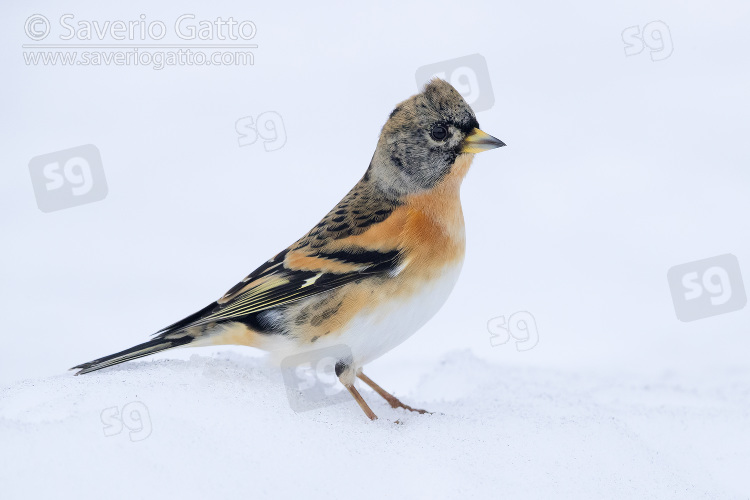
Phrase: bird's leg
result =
(392, 400)
(345, 373)
(361, 402)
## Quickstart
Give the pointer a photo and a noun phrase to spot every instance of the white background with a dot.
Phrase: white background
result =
(617, 168)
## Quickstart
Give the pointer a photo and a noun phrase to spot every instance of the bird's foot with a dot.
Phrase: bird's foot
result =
(390, 398)
(396, 403)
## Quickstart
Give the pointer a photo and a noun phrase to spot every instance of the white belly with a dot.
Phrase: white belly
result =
(372, 334)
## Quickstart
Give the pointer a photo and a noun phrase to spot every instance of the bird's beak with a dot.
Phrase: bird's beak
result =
(477, 141)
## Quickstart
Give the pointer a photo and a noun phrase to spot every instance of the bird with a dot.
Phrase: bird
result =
(373, 271)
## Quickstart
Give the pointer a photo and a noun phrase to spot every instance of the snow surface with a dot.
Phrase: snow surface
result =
(221, 427)
(617, 169)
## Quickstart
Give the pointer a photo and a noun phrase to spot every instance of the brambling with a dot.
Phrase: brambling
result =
(378, 266)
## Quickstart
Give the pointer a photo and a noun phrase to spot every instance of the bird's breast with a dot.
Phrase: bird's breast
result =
(374, 315)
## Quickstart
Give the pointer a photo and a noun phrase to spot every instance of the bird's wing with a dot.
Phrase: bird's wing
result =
(290, 276)
(293, 275)
(344, 247)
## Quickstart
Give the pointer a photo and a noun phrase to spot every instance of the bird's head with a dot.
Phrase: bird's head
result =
(424, 138)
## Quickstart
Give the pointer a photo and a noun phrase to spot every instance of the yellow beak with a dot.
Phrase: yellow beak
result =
(477, 141)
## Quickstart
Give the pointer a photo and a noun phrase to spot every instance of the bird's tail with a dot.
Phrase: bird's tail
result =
(145, 349)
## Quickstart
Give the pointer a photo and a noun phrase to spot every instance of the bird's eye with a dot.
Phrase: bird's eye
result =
(439, 132)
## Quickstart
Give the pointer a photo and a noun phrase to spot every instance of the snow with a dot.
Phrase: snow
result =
(618, 168)
(220, 426)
